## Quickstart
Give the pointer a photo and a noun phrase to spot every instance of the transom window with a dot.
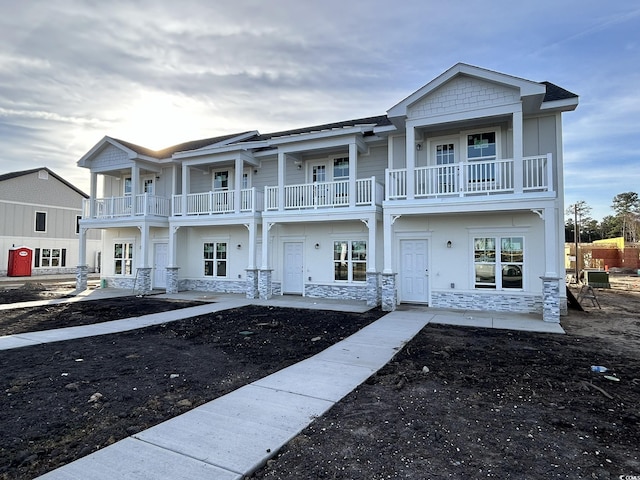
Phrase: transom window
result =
(498, 262)
(122, 258)
(215, 259)
(350, 260)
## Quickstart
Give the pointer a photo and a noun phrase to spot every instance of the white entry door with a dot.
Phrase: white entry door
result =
(414, 271)
(292, 281)
(160, 260)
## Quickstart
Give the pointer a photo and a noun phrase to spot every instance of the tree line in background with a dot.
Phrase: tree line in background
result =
(625, 223)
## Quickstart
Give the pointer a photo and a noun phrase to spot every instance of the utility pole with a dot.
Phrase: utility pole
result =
(576, 237)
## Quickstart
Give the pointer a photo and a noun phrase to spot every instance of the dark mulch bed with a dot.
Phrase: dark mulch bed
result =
(64, 400)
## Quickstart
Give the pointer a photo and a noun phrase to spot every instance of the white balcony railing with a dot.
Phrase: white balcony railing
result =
(473, 178)
(212, 203)
(325, 195)
(119, 207)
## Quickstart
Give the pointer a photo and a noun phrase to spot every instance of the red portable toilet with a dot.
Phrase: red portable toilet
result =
(20, 259)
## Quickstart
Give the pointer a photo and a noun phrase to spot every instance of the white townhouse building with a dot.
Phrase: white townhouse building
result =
(453, 199)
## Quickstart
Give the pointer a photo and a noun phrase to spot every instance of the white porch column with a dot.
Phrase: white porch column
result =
(82, 246)
(93, 194)
(135, 184)
(282, 157)
(411, 162)
(550, 242)
(173, 252)
(143, 262)
(186, 185)
(371, 243)
(353, 174)
(252, 227)
(237, 185)
(387, 232)
(265, 245)
(517, 151)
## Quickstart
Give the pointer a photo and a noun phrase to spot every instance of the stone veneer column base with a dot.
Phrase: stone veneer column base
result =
(373, 289)
(551, 299)
(172, 279)
(82, 275)
(265, 286)
(143, 281)
(253, 290)
(389, 294)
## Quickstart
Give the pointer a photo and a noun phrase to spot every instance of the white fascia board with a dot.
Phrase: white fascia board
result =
(210, 150)
(509, 203)
(321, 134)
(217, 146)
(566, 105)
(477, 114)
(218, 157)
(87, 157)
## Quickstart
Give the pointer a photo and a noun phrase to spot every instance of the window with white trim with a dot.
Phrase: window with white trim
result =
(498, 262)
(482, 147)
(215, 259)
(50, 257)
(350, 260)
(122, 258)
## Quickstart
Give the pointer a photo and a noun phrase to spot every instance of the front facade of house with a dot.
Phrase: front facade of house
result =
(454, 199)
(41, 211)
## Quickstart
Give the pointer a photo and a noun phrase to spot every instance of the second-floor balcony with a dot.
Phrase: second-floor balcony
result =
(483, 177)
(126, 206)
(219, 202)
(324, 195)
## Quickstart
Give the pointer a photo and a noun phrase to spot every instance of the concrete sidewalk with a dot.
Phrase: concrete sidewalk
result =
(234, 435)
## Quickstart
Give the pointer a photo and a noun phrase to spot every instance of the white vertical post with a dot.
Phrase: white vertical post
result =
(387, 226)
(93, 194)
(371, 247)
(186, 181)
(353, 165)
(550, 242)
(518, 171)
(411, 162)
(282, 157)
(252, 245)
(265, 246)
(173, 233)
(238, 185)
(144, 246)
(82, 246)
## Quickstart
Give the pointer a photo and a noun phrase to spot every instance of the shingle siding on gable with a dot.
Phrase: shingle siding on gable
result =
(110, 157)
(462, 94)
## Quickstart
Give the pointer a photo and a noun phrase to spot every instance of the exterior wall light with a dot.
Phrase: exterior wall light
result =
(317, 246)
(449, 244)
(239, 246)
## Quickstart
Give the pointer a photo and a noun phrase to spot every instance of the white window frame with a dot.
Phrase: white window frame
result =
(478, 131)
(61, 257)
(215, 260)
(127, 246)
(229, 173)
(348, 260)
(498, 263)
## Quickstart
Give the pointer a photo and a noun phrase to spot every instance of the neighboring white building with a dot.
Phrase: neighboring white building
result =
(41, 211)
(454, 198)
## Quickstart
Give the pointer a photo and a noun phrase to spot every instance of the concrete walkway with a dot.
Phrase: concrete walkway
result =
(234, 435)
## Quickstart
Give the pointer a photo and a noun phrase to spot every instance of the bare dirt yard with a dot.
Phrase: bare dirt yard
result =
(454, 403)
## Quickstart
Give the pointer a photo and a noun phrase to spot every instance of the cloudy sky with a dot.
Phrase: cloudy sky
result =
(157, 73)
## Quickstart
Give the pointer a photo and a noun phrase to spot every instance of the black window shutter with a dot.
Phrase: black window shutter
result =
(64, 257)
(37, 259)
